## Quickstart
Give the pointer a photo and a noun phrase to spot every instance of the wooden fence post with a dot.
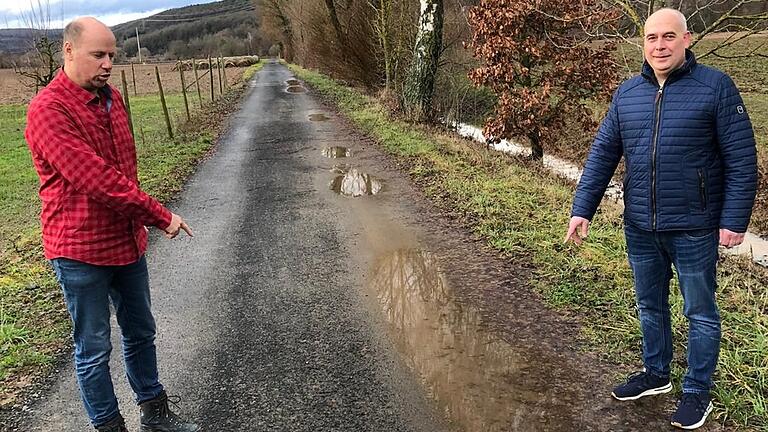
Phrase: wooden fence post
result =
(197, 82)
(184, 88)
(210, 70)
(162, 101)
(133, 73)
(221, 85)
(127, 103)
(224, 71)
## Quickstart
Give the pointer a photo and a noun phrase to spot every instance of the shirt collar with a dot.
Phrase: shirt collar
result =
(80, 94)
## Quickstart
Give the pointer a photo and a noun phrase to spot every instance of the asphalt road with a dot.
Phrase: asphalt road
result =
(295, 308)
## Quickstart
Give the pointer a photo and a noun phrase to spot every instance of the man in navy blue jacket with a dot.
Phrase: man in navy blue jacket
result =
(689, 184)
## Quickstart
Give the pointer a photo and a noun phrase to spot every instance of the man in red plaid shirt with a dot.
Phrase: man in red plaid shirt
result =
(94, 216)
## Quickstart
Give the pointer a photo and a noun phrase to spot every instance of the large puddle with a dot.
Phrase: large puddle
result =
(476, 379)
(336, 152)
(355, 183)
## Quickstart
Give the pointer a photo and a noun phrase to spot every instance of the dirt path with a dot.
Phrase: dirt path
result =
(296, 308)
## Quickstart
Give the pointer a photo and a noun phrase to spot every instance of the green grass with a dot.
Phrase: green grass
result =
(523, 213)
(34, 325)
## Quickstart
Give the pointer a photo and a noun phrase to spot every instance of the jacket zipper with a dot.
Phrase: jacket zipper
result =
(659, 96)
(702, 190)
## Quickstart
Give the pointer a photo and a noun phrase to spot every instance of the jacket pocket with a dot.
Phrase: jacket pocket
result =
(702, 188)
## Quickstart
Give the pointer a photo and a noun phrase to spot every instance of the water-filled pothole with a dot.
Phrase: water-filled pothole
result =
(293, 82)
(354, 183)
(296, 89)
(340, 169)
(336, 152)
(473, 376)
(318, 117)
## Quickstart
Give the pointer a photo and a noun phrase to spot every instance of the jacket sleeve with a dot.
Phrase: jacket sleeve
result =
(604, 156)
(62, 146)
(737, 149)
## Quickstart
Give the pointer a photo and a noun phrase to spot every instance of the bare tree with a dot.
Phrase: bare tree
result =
(40, 67)
(734, 20)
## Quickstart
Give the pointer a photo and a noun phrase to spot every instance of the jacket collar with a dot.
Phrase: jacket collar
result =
(688, 65)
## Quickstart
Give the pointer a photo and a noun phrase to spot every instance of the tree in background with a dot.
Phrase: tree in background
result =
(39, 67)
(394, 39)
(276, 24)
(420, 82)
(542, 64)
(735, 20)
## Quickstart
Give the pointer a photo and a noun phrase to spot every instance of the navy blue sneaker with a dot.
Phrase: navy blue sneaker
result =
(641, 384)
(692, 410)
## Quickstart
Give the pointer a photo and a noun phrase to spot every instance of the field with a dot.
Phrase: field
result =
(14, 91)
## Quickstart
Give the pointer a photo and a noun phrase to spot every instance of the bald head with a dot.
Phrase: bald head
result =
(670, 15)
(88, 49)
(83, 25)
(665, 41)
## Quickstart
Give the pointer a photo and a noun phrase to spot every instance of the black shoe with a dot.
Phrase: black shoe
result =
(692, 410)
(117, 424)
(641, 384)
(157, 417)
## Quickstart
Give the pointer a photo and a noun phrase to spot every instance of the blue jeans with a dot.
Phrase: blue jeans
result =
(87, 292)
(694, 255)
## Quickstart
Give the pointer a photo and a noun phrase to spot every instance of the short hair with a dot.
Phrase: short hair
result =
(680, 16)
(72, 31)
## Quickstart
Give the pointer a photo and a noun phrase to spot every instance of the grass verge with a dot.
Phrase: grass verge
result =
(34, 325)
(522, 212)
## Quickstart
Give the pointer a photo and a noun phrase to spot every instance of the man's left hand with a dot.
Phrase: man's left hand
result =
(729, 238)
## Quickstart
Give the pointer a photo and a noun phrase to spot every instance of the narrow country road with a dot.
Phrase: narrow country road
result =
(296, 308)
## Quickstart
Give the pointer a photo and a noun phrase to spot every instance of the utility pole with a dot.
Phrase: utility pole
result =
(138, 43)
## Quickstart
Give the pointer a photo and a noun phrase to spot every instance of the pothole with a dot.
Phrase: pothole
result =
(296, 89)
(293, 82)
(318, 117)
(340, 169)
(354, 183)
(336, 152)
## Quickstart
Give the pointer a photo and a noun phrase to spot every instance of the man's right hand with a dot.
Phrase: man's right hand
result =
(177, 224)
(573, 230)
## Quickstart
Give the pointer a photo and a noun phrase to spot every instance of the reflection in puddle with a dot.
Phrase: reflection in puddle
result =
(336, 152)
(295, 89)
(354, 183)
(318, 117)
(340, 169)
(293, 82)
(477, 380)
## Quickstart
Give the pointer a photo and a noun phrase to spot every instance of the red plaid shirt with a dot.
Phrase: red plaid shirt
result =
(83, 151)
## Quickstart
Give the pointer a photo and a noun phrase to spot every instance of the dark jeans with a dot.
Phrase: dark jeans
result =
(694, 255)
(87, 291)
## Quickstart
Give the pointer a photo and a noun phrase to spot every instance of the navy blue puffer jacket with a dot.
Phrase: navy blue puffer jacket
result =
(689, 152)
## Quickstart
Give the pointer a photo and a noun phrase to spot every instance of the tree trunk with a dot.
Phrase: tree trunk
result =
(537, 151)
(420, 82)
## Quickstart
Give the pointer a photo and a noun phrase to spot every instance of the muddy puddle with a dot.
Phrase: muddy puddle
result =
(293, 82)
(337, 152)
(355, 183)
(477, 380)
(340, 169)
(296, 89)
(318, 117)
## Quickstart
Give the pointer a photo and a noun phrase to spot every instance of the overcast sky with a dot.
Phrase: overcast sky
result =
(110, 12)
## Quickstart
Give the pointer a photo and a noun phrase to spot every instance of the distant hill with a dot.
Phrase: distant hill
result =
(17, 41)
(221, 27)
(198, 30)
